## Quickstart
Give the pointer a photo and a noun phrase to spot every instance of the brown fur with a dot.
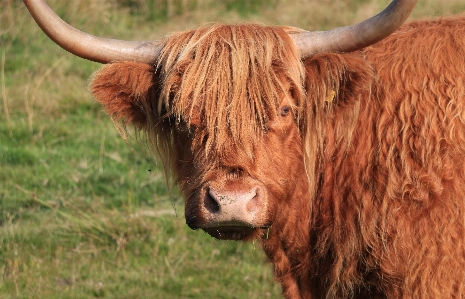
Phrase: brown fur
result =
(377, 209)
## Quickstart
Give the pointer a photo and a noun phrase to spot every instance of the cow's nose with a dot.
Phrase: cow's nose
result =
(233, 206)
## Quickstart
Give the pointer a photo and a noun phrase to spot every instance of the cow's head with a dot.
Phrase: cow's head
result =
(225, 108)
(228, 132)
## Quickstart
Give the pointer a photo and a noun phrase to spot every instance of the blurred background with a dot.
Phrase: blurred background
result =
(83, 214)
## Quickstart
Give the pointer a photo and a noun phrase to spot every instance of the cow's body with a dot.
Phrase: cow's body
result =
(349, 168)
(388, 216)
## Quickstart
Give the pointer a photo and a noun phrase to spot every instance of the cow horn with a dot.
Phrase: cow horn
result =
(355, 37)
(87, 46)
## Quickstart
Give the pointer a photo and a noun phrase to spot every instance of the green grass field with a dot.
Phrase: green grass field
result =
(83, 214)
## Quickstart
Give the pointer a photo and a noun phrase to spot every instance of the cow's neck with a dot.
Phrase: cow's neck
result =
(288, 248)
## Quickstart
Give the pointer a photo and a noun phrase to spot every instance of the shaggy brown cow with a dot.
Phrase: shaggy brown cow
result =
(349, 168)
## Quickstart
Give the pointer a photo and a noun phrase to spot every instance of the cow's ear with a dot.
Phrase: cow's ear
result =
(127, 91)
(338, 80)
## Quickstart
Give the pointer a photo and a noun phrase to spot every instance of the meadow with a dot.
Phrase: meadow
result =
(84, 214)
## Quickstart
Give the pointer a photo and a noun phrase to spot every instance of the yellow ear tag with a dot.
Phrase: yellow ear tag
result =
(331, 96)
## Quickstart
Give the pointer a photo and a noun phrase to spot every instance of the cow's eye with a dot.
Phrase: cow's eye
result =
(284, 111)
(182, 127)
(181, 124)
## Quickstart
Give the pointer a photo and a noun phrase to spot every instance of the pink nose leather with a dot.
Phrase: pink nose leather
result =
(232, 208)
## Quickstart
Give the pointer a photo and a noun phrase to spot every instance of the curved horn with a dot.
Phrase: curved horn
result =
(355, 37)
(87, 46)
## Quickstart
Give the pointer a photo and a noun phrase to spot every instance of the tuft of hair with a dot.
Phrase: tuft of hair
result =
(226, 81)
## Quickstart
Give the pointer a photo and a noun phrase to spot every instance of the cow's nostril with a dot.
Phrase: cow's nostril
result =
(210, 203)
(254, 204)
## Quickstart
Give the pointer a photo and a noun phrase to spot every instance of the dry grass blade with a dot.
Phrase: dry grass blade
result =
(30, 103)
(5, 99)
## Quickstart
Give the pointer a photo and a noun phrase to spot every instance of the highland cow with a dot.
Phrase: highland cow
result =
(341, 152)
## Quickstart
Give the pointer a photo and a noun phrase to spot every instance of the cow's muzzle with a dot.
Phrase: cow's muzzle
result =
(230, 214)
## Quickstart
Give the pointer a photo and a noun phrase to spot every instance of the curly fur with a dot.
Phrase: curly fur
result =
(388, 220)
(377, 210)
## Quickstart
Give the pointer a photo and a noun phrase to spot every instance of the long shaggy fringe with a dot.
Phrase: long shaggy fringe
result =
(227, 81)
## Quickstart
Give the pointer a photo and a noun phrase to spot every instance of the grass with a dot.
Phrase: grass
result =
(82, 213)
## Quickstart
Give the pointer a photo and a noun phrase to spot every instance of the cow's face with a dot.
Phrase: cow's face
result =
(222, 107)
(235, 192)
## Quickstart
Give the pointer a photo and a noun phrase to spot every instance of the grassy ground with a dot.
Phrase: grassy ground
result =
(82, 213)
